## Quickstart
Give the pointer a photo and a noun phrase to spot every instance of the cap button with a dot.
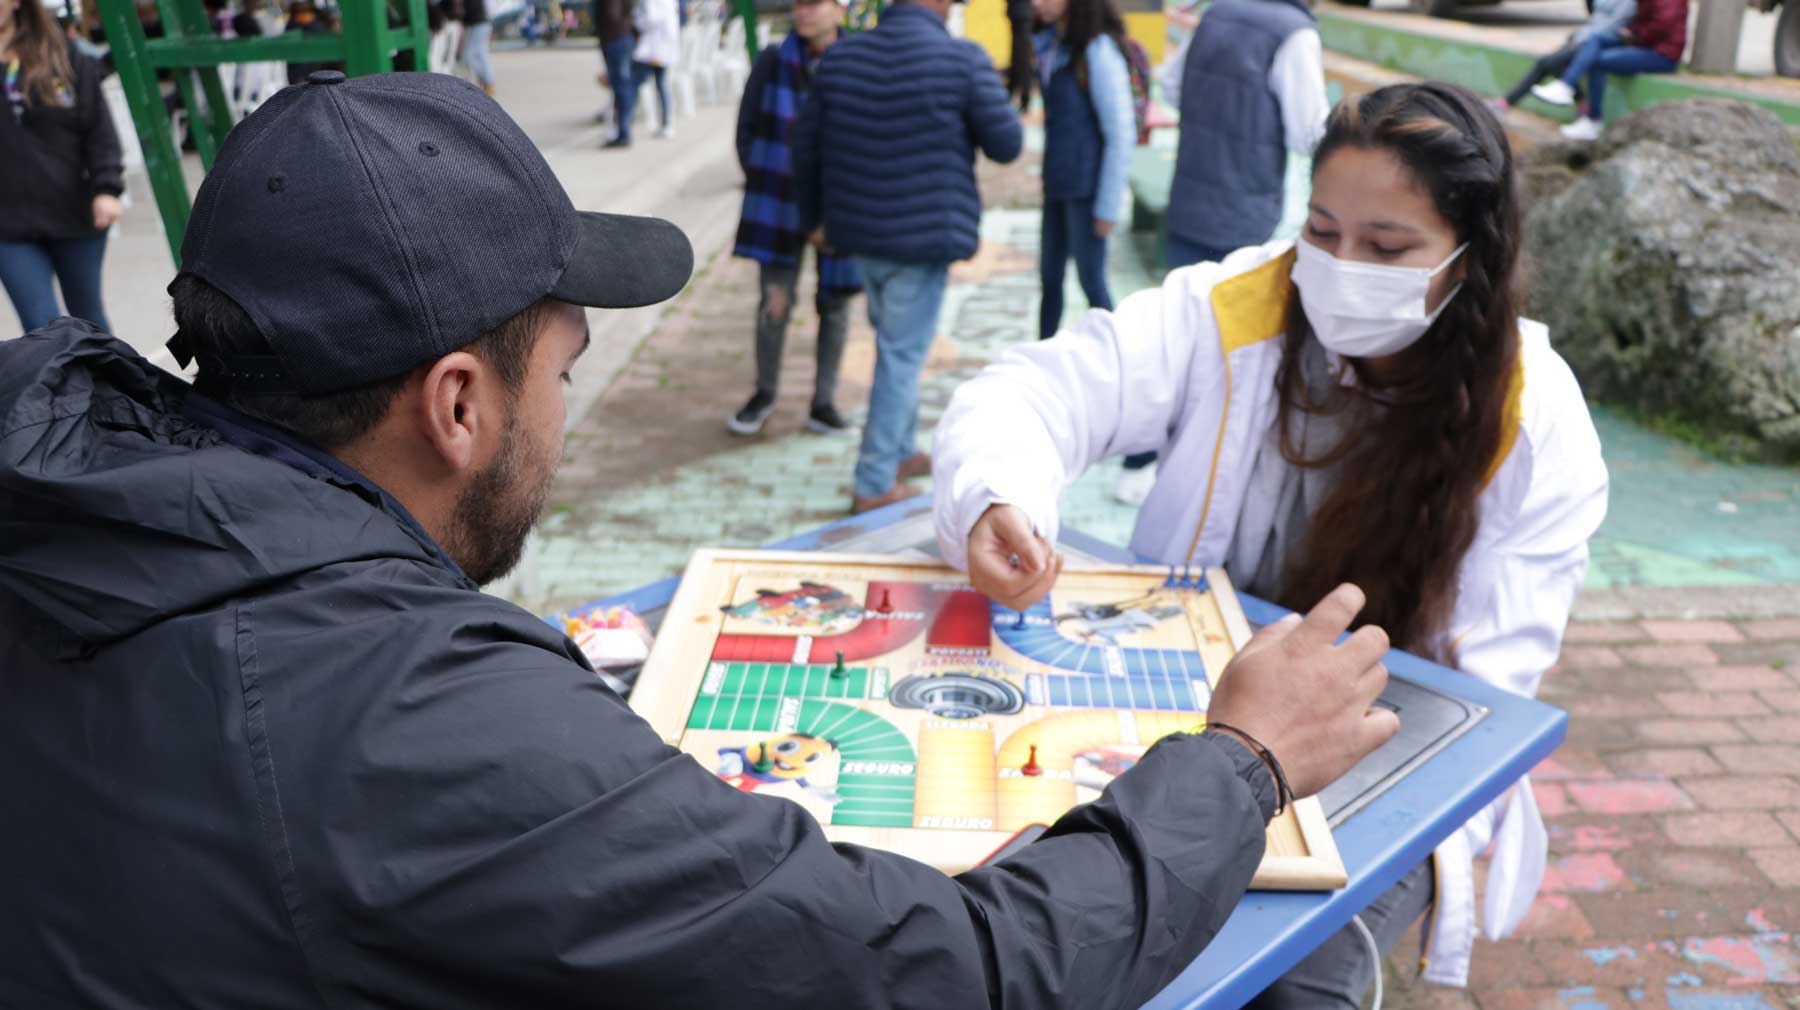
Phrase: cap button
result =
(325, 77)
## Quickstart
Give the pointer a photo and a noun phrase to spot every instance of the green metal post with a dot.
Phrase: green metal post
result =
(415, 36)
(747, 10)
(365, 37)
(162, 162)
(210, 116)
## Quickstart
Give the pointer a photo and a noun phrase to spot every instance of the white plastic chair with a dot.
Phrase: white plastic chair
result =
(733, 67)
(132, 152)
(254, 84)
(701, 53)
(681, 75)
(443, 48)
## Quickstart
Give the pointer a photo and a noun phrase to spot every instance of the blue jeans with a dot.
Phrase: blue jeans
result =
(904, 299)
(617, 55)
(1604, 55)
(641, 72)
(476, 39)
(1180, 252)
(1337, 974)
(1069, 228)
(30, 272)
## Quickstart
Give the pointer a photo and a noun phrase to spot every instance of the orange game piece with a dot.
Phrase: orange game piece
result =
(1032, 768)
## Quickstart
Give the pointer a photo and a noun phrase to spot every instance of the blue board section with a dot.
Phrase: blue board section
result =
(1106, 676)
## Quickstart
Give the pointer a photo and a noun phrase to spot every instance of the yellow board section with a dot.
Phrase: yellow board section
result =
(955, 784)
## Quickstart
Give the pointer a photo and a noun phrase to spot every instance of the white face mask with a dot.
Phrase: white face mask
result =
(1366, 310)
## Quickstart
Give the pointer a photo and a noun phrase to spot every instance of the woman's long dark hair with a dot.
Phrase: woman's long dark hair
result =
(43, 52)
(1089, 19)
(1404, 513)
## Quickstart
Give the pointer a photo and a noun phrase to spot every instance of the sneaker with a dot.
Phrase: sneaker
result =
(1555, 92)
(666, 132)
(1134, 485)
(749, 420)
(827, 421)
(618, 142)
(1582, 129)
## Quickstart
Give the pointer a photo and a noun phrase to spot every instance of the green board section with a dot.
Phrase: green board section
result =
(876, 761)
(749, 695)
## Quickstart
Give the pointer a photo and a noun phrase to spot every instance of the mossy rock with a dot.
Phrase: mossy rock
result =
(1666, 259)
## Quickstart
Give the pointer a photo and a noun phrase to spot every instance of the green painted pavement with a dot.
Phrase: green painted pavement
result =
(1491, 70)
(1680, 518)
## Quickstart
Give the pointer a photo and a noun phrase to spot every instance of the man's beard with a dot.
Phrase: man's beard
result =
(496, 512)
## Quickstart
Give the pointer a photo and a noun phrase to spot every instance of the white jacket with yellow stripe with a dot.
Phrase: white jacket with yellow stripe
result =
(1188, 370)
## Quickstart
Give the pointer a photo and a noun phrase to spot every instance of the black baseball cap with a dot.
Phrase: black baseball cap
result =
(368, 226)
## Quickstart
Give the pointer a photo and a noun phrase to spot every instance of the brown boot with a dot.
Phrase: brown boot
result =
(915, 466)
(899, 492)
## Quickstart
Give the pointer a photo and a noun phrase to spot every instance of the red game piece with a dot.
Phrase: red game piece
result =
(1032, 768)
(886, 606)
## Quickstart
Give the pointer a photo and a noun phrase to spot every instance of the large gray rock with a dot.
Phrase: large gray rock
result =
(1666, 259)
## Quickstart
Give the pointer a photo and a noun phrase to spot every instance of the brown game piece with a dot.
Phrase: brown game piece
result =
(886, 606)
(1032, 768)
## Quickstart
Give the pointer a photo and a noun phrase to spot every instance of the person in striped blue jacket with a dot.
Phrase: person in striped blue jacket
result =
(905, 107)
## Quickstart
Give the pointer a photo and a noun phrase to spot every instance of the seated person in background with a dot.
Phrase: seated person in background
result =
(264, 743)
(1365, 406)
(1652, 43)
(1607, 20)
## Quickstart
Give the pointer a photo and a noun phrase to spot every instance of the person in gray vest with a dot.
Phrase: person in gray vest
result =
(1253, 106)
(1252, 89)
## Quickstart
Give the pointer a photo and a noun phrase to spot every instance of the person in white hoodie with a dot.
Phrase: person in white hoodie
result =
(658, 47)
(1365, 405)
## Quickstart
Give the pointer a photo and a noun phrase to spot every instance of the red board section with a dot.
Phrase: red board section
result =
(962, 626)
(911, 606)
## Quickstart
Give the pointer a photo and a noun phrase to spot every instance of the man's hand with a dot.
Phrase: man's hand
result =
(1306, 699)
(1102, 228)
(1009, 563)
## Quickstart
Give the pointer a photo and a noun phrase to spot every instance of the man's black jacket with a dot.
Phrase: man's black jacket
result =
(261, 746)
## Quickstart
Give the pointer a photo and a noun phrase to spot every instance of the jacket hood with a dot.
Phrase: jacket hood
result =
(118, 512)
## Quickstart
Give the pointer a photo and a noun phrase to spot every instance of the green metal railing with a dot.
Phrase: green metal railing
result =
(194, 53)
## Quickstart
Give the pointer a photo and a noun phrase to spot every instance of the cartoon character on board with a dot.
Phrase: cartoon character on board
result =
(786, 758)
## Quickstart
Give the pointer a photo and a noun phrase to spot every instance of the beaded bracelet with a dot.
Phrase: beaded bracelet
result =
(1284, 795)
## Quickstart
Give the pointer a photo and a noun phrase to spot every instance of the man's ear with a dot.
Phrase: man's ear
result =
(447, 411)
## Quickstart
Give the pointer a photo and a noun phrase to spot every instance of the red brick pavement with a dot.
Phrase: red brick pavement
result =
(1674, 815)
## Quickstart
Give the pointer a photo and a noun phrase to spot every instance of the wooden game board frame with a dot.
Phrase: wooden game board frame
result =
(671, 679)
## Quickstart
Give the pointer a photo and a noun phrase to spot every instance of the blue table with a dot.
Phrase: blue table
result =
(1271, 931)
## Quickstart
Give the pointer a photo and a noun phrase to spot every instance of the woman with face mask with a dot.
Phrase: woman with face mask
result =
(1365, 405)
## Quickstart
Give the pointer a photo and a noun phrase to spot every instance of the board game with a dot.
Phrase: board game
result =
(908, 712)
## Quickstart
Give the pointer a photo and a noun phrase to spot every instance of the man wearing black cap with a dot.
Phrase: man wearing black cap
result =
(264, 744)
